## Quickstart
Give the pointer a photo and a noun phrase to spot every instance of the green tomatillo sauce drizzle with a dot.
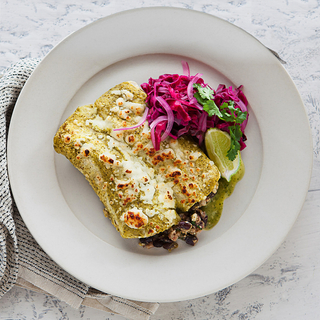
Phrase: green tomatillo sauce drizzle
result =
(214, 208)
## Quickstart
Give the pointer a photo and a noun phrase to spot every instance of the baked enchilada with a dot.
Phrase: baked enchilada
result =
(143, 190)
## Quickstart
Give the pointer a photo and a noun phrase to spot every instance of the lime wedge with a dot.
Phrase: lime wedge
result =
(217, 144)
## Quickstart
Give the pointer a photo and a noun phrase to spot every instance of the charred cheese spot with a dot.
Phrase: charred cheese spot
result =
(135, 219)
(77, 144)
(168, 155)
(150, 151)
(105, 186)
(157, 159)
(123, 185)
(86, 152)
(128, 199)
(169, 196)
(120, 102)
(119, 135)
(174, 174)
(138, 147)
(138, 111)
(164, 155)
(106, 159)
(130, 139)
(184, 189)
(67, 139)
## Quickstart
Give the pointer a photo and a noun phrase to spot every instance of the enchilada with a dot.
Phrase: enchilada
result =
(143, 190)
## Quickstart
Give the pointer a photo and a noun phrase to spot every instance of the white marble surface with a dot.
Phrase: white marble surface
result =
(287, 285)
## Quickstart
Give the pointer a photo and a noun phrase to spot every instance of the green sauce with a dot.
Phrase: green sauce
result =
(214, 208)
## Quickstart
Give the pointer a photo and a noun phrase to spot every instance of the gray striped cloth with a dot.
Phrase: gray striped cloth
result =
(22, 261)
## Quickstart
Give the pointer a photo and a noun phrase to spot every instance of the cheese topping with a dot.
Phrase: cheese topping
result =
(170, 215)
(140, 177)
(124, 108)
(100, 124)
(134, 218)
(193, 156)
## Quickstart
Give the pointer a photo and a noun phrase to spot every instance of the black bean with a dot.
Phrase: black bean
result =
(146, 240)
(168, 245)
(166, 240)
(158, 243)
(184, 225)
(191, 240)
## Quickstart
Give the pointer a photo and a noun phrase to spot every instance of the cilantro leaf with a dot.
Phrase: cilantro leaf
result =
(212, 109)
(241, 116)
(204, 92)
(199, 98)
(235, 134)
(232, 114)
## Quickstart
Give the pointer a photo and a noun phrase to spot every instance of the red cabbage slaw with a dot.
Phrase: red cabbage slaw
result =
(172, 110)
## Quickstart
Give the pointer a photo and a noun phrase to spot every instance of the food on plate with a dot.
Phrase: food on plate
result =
(184, 105)
(162, 157)
(217, 143)
(144, 188)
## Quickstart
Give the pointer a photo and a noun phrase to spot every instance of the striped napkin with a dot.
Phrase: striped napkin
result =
(22, 261)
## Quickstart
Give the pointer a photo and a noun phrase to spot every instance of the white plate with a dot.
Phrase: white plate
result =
(65, 216)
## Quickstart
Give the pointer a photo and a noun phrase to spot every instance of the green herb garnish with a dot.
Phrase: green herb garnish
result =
(226, 112)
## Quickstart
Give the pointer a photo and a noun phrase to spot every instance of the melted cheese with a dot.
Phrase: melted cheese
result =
(99, 124)
(134, 218)
(140, 177)
(124, 107)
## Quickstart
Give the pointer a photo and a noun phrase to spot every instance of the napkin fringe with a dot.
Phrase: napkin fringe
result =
(50, 287)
